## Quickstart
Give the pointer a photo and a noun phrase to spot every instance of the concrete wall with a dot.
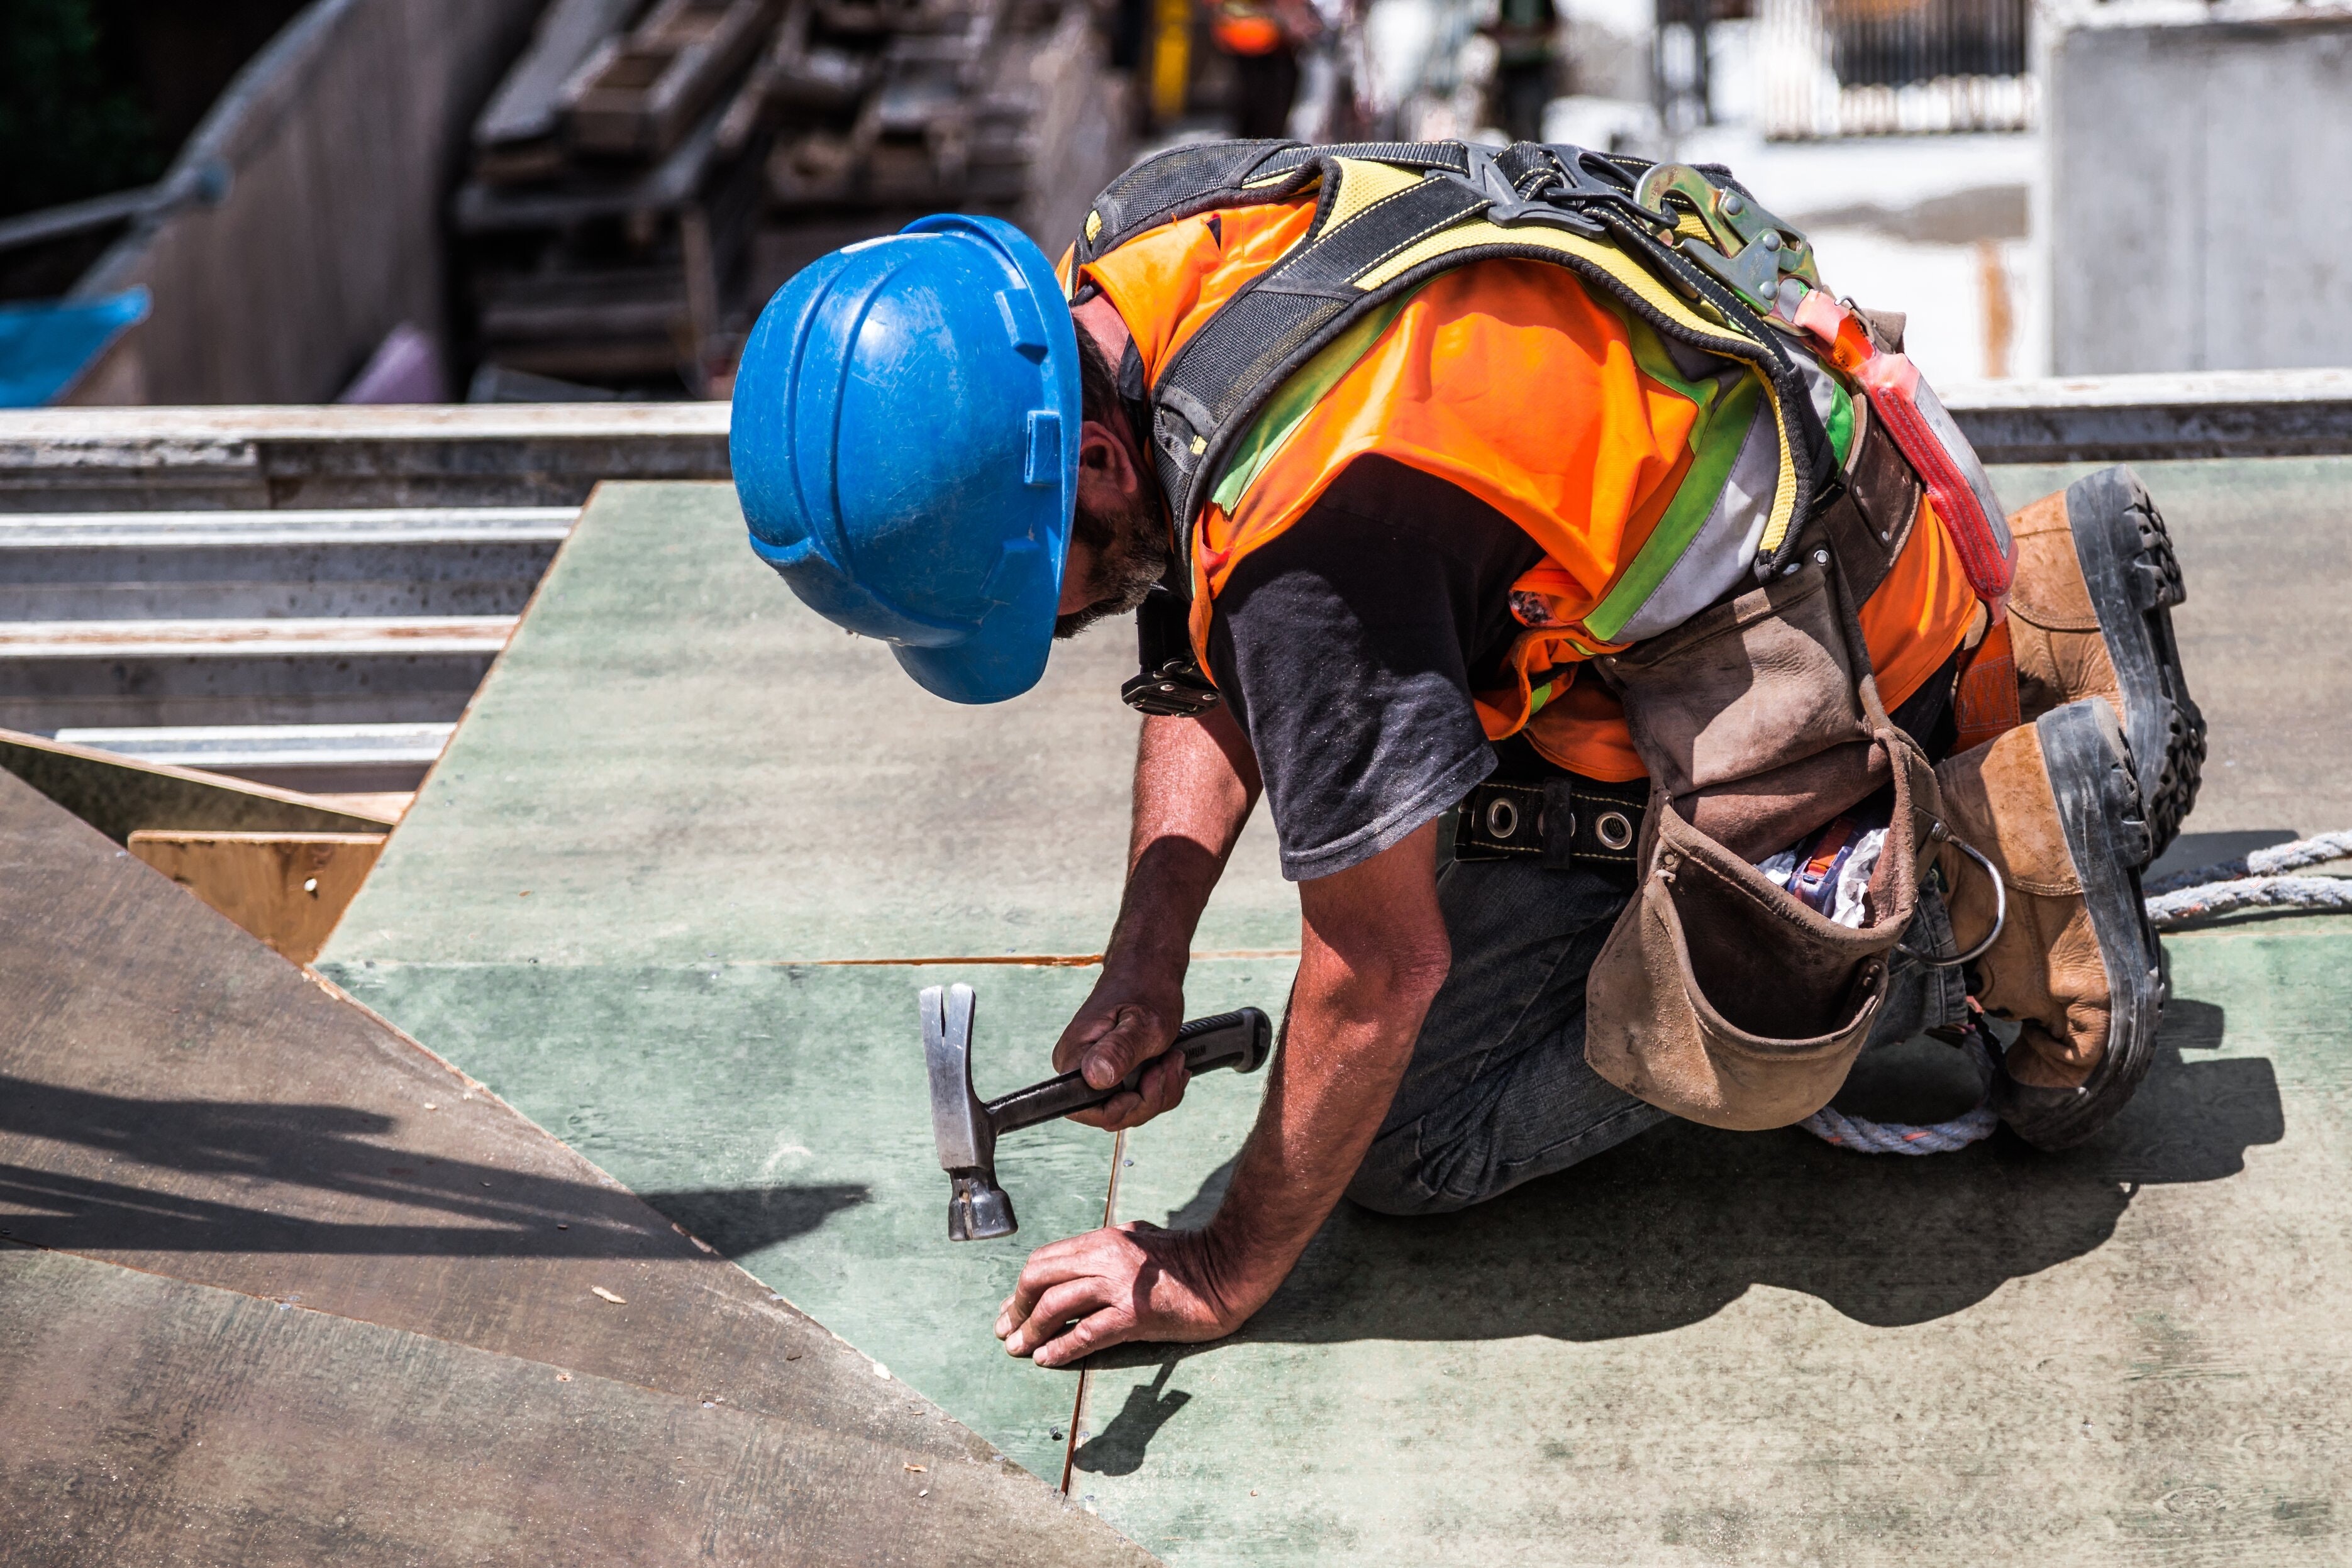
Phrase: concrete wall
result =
(2197, 220)
(339, 139)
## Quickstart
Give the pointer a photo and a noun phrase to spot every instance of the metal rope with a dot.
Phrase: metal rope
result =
(1860, 1134)
(2250, 882)
(2316, 850)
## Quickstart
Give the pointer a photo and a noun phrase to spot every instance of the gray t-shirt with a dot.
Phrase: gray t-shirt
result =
(1346, 648)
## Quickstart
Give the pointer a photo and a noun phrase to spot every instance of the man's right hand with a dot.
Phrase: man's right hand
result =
(1122, 1025)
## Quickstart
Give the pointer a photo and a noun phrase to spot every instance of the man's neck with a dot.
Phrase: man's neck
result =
(1100, 319)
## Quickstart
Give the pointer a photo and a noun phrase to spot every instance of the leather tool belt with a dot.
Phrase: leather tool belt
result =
(1565, 819)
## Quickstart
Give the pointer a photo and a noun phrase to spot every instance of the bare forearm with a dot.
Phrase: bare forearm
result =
(1195, 782)
(1373, 956)
(1354, 1015)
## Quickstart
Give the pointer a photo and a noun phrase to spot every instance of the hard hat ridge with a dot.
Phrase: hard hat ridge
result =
(905, 447)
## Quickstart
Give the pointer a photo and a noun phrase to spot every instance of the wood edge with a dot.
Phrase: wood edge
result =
(220, 781)
(231, 835)
(499, 660)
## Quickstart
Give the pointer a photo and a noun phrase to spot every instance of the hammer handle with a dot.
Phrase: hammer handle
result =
(1236, 1039)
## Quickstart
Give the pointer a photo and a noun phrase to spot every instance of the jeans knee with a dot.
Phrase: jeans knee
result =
(1393, 1181)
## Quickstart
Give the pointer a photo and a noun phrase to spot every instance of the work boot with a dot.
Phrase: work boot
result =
(2091, 616)
(2054, 807)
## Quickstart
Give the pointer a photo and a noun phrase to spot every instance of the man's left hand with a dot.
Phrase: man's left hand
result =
(1132, 1282)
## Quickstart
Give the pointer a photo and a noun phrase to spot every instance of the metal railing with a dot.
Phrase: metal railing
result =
(1881, 68)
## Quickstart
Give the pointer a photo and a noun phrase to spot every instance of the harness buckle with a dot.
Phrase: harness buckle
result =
(1561, 187)
(1169, 684)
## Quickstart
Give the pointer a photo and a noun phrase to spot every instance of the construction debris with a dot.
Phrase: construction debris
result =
(626, 166)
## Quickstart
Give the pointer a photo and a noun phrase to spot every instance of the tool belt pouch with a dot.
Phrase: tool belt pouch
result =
(1718, 996)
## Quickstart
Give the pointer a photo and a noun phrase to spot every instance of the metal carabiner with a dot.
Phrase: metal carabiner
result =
(1999, 910)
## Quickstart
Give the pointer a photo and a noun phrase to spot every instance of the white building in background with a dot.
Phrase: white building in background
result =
(2195, 153)
(2042, 187)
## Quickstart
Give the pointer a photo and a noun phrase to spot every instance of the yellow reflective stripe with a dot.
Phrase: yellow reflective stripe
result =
(1632, 275)
(1361, 184)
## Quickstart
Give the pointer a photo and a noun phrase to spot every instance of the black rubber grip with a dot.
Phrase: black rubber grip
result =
(1240, 1041)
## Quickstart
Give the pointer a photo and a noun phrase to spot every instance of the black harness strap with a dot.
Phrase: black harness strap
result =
(1206, 398)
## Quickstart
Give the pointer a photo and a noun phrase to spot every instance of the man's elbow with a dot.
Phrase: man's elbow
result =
(1399, 976)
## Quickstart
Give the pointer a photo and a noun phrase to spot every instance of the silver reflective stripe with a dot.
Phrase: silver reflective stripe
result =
(1819, 385)
(1719, 556)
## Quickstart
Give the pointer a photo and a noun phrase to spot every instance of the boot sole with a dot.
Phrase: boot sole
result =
(2126, 557)
(2099, 810)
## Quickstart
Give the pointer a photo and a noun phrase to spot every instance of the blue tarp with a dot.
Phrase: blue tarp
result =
(44, 347)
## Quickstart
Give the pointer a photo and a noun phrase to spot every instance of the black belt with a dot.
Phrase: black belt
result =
(1567, 819)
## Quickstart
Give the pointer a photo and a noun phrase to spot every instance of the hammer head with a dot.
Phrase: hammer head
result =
(977, 1210)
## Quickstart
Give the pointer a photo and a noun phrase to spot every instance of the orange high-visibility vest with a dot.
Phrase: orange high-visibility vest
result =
(1550, 403)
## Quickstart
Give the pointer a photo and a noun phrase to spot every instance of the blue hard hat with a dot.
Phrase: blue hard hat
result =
(906, 448)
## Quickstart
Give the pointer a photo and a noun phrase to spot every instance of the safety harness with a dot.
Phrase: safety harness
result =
(1391, 215)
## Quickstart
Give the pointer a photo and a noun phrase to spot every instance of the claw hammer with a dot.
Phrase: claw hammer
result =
(966, 1127)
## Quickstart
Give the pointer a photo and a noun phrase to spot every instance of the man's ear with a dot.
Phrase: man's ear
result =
(1108, 477)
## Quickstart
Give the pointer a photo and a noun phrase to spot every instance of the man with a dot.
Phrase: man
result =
(1262, 38)
(1407, 555)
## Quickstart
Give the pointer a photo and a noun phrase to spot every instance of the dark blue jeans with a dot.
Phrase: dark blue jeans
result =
(1498, 1091)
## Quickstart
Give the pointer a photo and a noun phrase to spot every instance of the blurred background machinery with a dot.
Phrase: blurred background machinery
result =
(640, 182)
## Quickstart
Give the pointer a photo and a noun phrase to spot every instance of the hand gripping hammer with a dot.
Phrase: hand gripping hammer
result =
(966, 1127)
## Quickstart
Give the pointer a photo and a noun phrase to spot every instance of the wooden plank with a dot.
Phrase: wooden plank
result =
(118, 796)
(288, 889)
(2146, 418)
(637, 96)
(289, 529)
(175, 1098)
(526, 113)
(147, 1421)
(230, 459)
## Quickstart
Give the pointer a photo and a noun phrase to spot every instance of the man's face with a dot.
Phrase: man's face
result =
(1118, 543)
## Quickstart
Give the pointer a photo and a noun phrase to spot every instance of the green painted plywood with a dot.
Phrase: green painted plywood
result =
(1709, 1347)
(675, 759)
(807, 1085)
(1703, 1347)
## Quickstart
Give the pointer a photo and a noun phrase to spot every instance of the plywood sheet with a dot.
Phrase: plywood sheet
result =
(685, 820)
(672, 726)
(119, 796)
(780, 1113)
(177, 1100)
(1709, 1346)
(288, 889)
(147, 1420)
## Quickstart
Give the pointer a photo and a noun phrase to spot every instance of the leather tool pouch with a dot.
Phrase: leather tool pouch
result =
(1718, 996)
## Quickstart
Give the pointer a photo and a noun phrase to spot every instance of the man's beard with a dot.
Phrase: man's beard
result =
(1131, 557)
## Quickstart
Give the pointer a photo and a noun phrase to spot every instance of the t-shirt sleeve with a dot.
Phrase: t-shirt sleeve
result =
(1345, 648)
